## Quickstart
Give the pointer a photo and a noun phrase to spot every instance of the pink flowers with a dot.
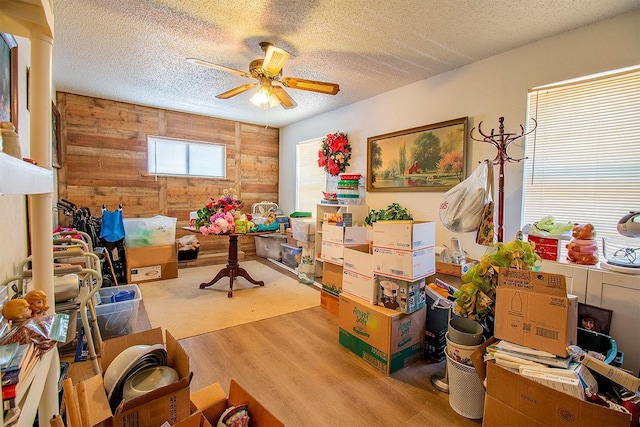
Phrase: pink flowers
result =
(220, 223)
(335, 153)
(218, 216)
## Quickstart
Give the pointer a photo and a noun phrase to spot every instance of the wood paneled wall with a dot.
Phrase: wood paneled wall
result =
(104, 161)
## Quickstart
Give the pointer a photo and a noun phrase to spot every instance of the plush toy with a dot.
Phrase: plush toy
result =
(582, 249)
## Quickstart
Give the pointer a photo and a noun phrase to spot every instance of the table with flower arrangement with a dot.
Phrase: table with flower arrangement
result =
(232, 269)
(222, 217)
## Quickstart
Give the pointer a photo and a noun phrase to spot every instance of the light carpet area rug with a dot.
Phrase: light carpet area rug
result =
(185, 310)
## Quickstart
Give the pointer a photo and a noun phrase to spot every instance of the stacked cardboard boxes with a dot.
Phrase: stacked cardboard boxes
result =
(403, 256)
(335, 239)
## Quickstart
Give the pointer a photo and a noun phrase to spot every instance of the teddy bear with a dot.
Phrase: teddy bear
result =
(582, 248)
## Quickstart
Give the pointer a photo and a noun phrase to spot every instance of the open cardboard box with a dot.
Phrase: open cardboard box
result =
(212, 402)
(169, 403)
(534, 310)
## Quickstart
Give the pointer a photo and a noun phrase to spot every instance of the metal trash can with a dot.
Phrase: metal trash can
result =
(466, 393)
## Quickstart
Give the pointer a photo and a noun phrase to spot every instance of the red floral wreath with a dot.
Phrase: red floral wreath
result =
(335, 153)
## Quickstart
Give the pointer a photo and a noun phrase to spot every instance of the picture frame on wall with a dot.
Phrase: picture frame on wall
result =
(9, 79)
(55, 137)
(425, 158)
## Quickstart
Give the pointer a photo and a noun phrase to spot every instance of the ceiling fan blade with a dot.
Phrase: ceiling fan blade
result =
(285, 100)
(235, 91)
(218, 67)
(274, 60)
(311, 85)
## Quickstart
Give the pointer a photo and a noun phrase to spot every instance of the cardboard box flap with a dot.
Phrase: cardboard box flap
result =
(113, 347)
(211, 401)
(94, 406)
(260, 416)
(197, 419)
(126, 405)
(543, 283)
(177, 356)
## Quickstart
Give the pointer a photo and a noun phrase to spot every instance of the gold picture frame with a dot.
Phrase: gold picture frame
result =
(425, 158)
(9, 79)
(55, 137)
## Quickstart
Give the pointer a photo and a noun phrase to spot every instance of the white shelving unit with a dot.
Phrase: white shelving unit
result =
(359, 213)
(20, 177)
(33, 19)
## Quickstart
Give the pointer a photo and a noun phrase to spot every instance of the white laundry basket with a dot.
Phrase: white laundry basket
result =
(466, 393)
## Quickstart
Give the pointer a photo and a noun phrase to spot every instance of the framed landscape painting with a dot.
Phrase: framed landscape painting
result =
(426, 158)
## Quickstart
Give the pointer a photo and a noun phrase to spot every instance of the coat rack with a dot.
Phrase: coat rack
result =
(501, 141)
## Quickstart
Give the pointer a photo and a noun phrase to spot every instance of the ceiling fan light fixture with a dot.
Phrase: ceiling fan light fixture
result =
(265, 97)
(274, 59)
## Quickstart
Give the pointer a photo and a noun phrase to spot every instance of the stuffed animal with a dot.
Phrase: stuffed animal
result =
(582, 249)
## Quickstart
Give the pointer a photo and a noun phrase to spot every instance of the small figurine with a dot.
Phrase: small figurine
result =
(37, 300)
(16, 310)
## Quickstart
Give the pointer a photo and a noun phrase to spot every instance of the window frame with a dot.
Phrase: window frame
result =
(222, 153)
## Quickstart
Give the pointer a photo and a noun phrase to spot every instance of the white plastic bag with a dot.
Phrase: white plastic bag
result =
(462, 206)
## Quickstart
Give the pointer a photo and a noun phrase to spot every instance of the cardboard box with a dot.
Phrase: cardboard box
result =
(357, 277)
(211, 401)
(197, 419)
(387, 339)
(344, 235)
(152, 263)
(359, 259)
(411, 235)
(360, 286)
(457, 270)
(514, 400)
(329, 302)
(545, 247)
(403, 264)
(401, 295)
(169, 403)
(533, 309)
(331, 278)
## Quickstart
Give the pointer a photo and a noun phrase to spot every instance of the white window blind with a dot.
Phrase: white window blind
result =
(584, 157)
(310, 178)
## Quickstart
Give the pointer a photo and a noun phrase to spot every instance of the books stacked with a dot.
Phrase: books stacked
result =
(16, 364)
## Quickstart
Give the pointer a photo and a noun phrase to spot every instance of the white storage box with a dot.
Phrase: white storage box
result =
(269, 245)
(406, 265)
(303, 229)
(156, 231)
(404, 234)
(116, 319)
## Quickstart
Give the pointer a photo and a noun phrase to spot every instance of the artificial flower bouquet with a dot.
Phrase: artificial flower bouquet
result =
(335, 153)
(476, 297)
(219, 216)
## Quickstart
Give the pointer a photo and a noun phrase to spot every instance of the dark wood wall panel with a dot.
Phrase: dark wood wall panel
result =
(104, 161)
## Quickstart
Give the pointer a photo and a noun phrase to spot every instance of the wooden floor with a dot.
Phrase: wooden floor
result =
(295, 366)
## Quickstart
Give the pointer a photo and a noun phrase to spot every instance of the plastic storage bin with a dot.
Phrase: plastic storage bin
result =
(156, 231)
(291, 255)
(268, 245)
(117, 318)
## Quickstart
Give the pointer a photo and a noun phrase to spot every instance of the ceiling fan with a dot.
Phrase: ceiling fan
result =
(268, 71)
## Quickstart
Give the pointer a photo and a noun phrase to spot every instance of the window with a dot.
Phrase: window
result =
(170, 156)
(310, 178)
(583, 158)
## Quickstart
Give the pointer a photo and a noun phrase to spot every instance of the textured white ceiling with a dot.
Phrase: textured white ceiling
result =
(135, 50)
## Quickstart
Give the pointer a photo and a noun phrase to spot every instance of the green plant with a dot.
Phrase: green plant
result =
(392, 212)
